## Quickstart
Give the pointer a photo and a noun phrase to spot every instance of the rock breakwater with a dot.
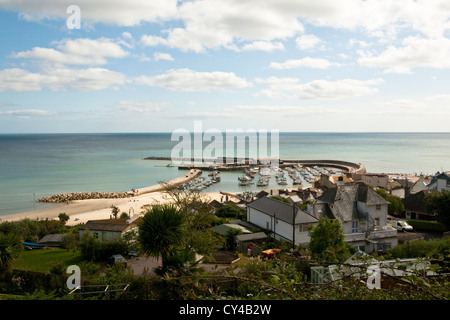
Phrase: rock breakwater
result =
(72, 196)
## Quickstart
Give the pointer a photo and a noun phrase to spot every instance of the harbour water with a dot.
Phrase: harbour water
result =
(38, 165)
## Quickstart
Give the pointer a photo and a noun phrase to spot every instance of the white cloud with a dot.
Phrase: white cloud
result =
(263, 46)
(190, 80)
(59, 79)
(26, 113)
(76, 52)
(323, 89)
(152, 41)
(318, 89)
(162, 56)
(141, 106)
(415, 52)
(278, 87)
(307, 41)
(117, 12)
(317, 63)
(217, 23)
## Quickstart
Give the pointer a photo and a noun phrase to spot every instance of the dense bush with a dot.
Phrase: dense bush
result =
(436, 248)
(32, 230)
(94, 250)
(430, 226)
(229, 211)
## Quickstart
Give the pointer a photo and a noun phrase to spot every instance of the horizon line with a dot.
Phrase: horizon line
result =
(170, 132)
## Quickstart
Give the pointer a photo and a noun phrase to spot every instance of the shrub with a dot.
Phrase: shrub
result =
(229, 211)
(430, 226)
(435, 248)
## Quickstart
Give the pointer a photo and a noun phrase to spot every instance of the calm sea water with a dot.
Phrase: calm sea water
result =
(37, 165)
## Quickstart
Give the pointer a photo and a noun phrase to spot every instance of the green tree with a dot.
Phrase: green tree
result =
(229, 211)
(115, 211)
(327, 241)
(439, 203)
(161, 231)
(63, 218)
(198, 216)
(89, 247)
(230, 237)
(10, 247)
(395, 206)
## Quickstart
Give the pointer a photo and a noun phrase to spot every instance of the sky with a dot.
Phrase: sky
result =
(288, 65)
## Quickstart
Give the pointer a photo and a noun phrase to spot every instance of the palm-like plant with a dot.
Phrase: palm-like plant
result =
(10, 246)
(161, 230)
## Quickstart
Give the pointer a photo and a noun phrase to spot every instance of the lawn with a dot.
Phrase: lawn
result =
(42, 260)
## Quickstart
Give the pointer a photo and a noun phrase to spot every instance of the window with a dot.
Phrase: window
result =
(377, 222)
(354, 226)
(378, 207)
(303, 227)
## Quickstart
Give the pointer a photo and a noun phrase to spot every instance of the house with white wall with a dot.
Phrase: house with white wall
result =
(362, 214)
(440, 182)
(285, 221)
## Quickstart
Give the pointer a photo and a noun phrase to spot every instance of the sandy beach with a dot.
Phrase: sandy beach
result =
(81, 211)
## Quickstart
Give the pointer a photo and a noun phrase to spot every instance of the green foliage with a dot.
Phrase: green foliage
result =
(395, 206)
(425, 225)
(435, 248)
(439, 203)
(279, 198)
(161, 230)
(32, 230)
(63, 218)
(327, 241)
(94, 250)
(229, 211)
(115, 211)
(10, 247)
(44, 260)
(230, 237)
(89, 247)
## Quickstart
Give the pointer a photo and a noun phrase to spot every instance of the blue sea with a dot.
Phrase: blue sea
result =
(37, 165)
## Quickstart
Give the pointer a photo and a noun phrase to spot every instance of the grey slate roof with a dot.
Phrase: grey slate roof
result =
(343, 201)
(281, 210)
(53, 238)
(440, 176)
(251, 236)
(111, 225)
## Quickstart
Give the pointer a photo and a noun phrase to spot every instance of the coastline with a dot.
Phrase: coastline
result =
(80, 211)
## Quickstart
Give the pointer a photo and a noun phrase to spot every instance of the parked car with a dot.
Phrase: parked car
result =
(117, 259)
(402, 225)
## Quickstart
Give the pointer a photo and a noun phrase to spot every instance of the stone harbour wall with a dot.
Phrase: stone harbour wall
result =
(71, 196)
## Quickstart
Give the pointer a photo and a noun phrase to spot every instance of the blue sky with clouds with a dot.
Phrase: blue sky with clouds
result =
(291, 65)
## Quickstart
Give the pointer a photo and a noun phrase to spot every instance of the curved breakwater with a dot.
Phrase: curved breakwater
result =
(72, 196)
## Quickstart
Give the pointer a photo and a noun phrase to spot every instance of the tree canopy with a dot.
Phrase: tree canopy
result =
(439, 203)
(327, 241)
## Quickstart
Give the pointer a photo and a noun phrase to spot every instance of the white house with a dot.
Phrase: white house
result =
(287, 222)
(440, 182)
(362, 214)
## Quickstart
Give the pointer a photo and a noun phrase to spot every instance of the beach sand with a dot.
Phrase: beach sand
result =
(81, 211)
